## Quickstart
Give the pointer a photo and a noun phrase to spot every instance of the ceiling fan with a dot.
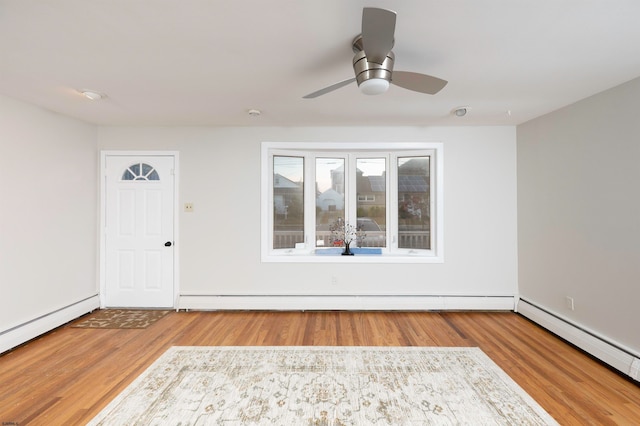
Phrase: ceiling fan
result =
(373, 60)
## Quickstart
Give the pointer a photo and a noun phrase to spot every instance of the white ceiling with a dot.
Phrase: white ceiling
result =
(207, 62)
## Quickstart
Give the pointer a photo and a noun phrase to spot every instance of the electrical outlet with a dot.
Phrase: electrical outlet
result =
(188, 207)
(568, 301)
(334, 280)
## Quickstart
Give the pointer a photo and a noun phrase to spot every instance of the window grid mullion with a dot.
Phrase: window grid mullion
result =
(392, 211)
(350, 190)
(310, 200)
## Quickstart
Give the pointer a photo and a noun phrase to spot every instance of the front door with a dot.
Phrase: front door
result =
(139, 231)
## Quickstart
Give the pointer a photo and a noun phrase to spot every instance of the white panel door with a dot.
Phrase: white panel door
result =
(139, 231)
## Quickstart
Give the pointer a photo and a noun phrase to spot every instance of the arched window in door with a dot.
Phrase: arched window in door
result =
(140, 171)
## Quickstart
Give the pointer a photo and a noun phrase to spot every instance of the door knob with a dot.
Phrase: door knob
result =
(167, 244)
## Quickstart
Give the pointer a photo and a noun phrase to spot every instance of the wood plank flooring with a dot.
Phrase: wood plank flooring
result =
(67, 376)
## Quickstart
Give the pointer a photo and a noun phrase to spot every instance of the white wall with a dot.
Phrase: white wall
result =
(48, 192)
(220, 241)
(579, 213)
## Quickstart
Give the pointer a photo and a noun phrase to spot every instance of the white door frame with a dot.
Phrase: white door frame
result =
(102, 213)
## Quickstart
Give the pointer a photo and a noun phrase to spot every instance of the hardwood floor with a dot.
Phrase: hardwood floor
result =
(67, 376)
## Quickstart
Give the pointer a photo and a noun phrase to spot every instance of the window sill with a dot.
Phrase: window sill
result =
(361, 255)
(337, 251)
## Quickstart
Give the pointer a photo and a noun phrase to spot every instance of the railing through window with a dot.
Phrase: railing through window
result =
(408, 239)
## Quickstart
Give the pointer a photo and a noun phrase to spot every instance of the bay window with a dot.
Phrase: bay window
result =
(390, 193)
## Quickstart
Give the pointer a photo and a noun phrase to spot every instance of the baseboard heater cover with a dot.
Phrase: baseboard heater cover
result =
(22, 333)
(610, 353)
(364, 303)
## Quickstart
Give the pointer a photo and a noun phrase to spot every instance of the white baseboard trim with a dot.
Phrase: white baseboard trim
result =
(22, 333)
(613, 354)
(347, 303)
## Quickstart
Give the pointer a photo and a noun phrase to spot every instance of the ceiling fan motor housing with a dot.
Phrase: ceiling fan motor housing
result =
(373, 60)
(365, 70)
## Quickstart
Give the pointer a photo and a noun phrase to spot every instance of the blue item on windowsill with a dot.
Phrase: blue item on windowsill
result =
(358, 251)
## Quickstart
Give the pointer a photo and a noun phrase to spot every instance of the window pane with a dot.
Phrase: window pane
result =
(288, 201)
(149, 173)
(145, 169)
(371, 203)
(329, 197)
(127, 175)
(414, 224)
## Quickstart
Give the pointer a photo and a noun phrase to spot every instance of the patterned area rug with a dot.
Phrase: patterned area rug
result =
(120, 318)
(323, 386)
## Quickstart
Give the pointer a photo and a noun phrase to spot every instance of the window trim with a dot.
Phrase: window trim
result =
(397, 149)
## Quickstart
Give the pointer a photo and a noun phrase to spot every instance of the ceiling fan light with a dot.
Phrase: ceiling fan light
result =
(374, 86)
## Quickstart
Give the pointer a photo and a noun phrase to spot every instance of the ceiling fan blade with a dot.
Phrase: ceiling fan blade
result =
(328, 89)
(378, 28)
(418, 82)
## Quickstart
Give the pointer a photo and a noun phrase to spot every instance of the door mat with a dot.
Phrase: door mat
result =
(120, 318)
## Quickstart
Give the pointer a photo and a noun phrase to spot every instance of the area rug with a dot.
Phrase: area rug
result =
(323, 386)
(120, 318)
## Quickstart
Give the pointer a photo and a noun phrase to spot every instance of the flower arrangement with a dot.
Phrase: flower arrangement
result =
(343, 234)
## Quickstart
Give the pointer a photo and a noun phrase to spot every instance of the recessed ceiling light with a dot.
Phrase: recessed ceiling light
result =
(461, 111)
(92, 95)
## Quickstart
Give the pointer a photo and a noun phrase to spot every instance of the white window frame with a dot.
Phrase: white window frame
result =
(306, 252)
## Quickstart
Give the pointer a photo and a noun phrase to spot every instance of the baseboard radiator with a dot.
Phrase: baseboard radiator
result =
(22, 333)
(346, 302)
(611, 353)
(615, 355)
